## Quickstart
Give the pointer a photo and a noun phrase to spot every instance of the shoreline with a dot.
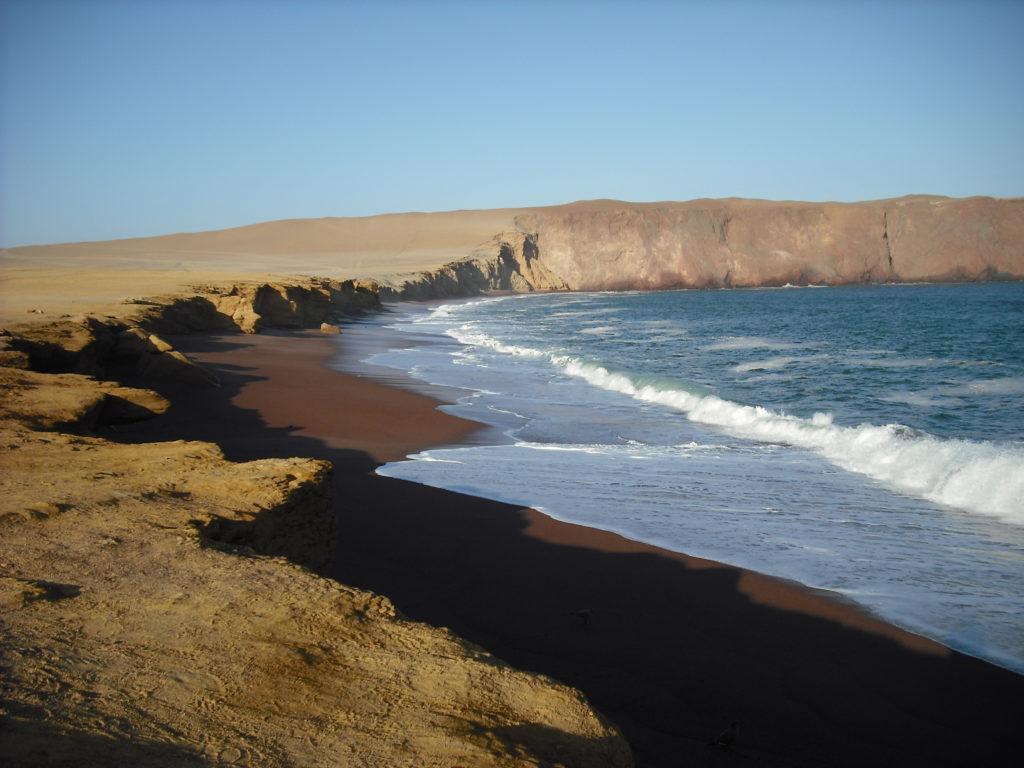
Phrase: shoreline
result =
(367, 338)
(670, 647)
(349, 362)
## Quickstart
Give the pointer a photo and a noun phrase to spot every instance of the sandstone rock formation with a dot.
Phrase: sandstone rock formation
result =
(250, 307)
(89, 344)
(509, 262)
(605, 245)
(609, 245)
(149, 641)
(72, 401)
(160, 605)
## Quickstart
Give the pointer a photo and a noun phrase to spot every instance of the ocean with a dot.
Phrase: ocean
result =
(865, 440)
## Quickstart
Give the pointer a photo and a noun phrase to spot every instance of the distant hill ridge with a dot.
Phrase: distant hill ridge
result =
(605, 245)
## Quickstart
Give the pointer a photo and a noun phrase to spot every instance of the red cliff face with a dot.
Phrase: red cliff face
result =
(609, 245)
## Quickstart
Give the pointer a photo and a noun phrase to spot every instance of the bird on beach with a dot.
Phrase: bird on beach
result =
(726, 738)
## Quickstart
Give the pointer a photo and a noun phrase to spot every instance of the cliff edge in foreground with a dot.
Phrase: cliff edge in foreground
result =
(161, 605)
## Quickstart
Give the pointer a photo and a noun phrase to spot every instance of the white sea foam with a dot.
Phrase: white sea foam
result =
(468, 334)
(774, 363)
(977, 477)
(667, 336)
(443, 311)
(954, 394)
(753, 342)
(918, 399)
(1010, 385)
(974, 476)
(830, 502)
(902, 362)
(584, 312)
(593, 450)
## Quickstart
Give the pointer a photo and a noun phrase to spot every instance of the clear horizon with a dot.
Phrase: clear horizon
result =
(123, 119)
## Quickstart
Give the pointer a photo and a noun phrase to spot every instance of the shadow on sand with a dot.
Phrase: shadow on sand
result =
(670, 653)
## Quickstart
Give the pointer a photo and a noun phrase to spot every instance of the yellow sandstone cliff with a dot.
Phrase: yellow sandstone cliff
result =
(161, 605)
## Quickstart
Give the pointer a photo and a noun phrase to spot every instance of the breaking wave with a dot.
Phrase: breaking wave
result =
(979, 477)
(975, 476)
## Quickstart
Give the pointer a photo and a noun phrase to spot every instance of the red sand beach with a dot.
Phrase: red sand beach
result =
(671, 648)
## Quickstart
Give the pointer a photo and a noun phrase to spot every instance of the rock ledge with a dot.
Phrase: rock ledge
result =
(161, 605)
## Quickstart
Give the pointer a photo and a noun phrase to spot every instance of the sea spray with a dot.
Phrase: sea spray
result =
(973, 476)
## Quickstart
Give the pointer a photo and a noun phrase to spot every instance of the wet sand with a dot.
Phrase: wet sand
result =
(669, 647)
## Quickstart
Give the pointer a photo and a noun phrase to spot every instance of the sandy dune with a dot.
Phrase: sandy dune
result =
(44, 282)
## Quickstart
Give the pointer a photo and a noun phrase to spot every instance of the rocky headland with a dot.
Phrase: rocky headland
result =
(602, 245)
(606, 245)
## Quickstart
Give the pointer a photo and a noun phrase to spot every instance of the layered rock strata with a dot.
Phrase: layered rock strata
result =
(133, 637)
(603, 246)
(510, 262)
(89, 344)
(609, 245)
(253, 306)
(160, 604)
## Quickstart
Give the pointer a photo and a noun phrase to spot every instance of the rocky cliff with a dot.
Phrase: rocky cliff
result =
(510, 262)
(252, 306)
(88, 344)
(591, 245)
(160, 604)
(611, 245)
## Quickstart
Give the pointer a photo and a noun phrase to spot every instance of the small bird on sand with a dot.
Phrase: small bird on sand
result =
(728, 737)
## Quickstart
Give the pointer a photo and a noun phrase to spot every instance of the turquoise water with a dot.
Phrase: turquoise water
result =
(867, 440)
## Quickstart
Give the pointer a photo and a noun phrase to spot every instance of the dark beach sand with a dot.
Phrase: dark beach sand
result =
(675, 647)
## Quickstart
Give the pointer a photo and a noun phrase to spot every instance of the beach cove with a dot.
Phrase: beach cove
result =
(270, 663)
(669, 647)
(672, 649)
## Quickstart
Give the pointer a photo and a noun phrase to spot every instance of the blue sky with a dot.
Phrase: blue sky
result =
(123, 118)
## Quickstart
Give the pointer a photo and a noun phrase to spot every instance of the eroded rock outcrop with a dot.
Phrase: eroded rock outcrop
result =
(510, 262)
(72, 402)
(87, 344)
(160, 605)
(149, 641)
(612, 245)
(250, 307)
(69, 345)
